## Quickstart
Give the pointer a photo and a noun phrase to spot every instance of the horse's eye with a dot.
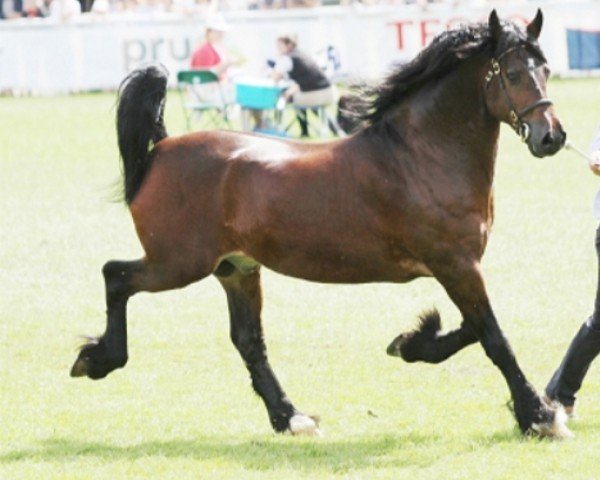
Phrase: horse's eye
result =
(513, 77)
(546, 71)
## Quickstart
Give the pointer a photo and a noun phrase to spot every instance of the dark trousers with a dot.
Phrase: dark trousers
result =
(584, 347)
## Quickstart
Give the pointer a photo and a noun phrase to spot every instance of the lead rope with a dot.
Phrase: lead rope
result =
(569, 146)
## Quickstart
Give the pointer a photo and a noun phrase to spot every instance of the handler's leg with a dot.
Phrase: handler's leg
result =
(567, 379)
(244, 298)
(585, 346)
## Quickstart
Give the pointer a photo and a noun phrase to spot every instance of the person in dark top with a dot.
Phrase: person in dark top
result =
(311, 88)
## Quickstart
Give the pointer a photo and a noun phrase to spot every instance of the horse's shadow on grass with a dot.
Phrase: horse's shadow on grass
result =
(265, 453)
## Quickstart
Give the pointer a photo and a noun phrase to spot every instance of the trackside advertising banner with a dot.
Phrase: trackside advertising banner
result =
(96, 52)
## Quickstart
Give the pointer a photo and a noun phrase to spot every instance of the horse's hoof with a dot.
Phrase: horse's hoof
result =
(419, 344)
(394, 348)
(79, 368)
(569, 409)
(305, 425)
(94, 362)
(556, 428)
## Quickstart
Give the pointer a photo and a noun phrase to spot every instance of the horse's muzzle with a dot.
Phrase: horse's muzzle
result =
(549, 143)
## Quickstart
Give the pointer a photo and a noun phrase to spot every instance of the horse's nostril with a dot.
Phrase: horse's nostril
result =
(548, 139)
(552, 141)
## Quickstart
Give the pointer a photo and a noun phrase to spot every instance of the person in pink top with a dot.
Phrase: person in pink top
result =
(211, 54)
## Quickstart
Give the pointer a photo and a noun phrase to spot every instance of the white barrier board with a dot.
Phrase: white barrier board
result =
(96, 53)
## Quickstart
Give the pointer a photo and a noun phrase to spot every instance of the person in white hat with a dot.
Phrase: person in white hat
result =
(212, 54)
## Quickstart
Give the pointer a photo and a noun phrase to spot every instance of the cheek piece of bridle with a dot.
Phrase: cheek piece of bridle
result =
(516, 116)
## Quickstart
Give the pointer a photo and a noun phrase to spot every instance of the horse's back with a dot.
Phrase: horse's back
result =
(213, 188)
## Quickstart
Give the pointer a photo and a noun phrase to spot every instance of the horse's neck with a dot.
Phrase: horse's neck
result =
(453, 117)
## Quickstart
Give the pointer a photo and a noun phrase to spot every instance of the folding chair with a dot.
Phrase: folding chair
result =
(324, 121)
(205, 97)
(320, 124)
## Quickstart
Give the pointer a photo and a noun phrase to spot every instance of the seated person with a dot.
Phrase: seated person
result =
(311, 87)
(212, 55)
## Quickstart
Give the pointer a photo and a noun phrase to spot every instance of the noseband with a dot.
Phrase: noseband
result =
(516, 116)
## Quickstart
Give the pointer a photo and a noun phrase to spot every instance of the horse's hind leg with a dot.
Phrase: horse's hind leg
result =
(244, 298)
(108, 352)
(426, 344)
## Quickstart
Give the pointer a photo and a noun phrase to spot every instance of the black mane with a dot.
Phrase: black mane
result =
(444, 54)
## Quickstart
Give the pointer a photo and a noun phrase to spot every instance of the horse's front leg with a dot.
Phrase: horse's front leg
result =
(465, 286)
(427, 344)
(244, 299)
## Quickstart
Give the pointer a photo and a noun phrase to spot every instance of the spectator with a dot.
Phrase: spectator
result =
(11, 9)
(62, 10)
(311, 88)
(212, 54)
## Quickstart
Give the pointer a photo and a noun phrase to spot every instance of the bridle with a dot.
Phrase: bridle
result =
(516, 116)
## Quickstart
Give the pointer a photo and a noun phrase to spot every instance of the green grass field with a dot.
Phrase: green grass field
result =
(183, 407)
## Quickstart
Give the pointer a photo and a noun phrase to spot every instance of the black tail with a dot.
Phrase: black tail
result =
(140, 110)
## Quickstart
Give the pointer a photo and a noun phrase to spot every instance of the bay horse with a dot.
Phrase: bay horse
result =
(409, 195)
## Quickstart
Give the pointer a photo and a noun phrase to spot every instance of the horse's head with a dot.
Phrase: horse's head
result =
(515, 86)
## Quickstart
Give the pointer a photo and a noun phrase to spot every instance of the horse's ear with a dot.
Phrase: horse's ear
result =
(494, 23)
(535, 27)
